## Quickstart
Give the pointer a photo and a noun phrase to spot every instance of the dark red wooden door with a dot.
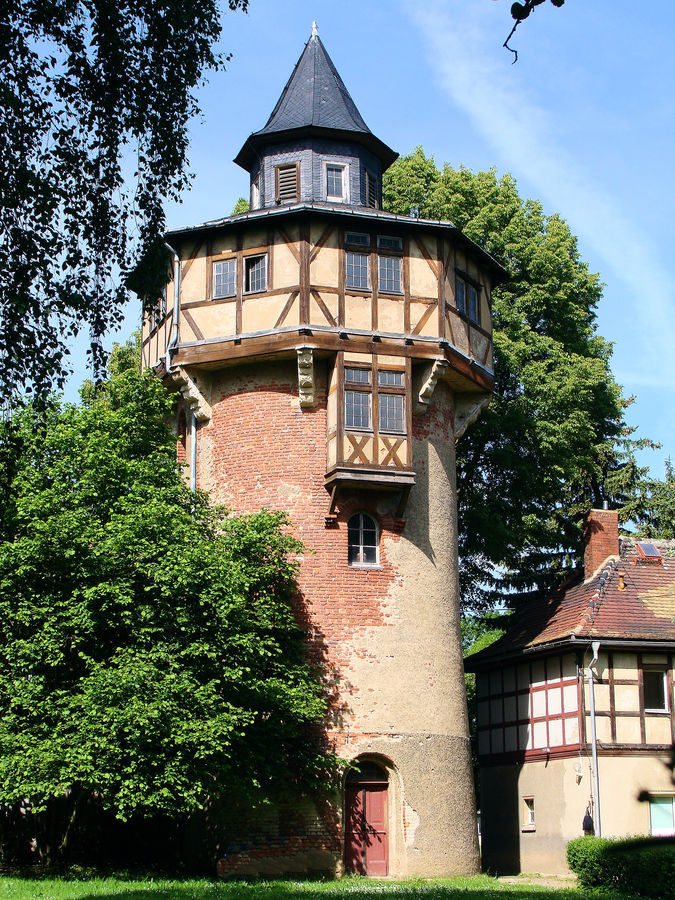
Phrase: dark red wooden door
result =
(366, 839)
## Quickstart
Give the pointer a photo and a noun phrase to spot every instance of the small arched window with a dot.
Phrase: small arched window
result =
(362, 540)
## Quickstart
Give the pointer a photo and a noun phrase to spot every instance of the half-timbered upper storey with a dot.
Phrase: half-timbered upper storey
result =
(317, 269)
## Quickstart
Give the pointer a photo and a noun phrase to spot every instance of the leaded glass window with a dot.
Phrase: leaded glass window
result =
(357, 410)
(255, 274)
(357, 270)
(390, 408)
(390, 274)
(389, 378)
(461, 296)
(357, 376)
(224, 278)
(473, 304)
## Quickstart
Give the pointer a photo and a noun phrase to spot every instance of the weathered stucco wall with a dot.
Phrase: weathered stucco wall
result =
(561, 790)
(389, 635)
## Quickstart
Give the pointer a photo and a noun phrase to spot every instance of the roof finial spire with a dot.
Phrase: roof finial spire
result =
(315, 30)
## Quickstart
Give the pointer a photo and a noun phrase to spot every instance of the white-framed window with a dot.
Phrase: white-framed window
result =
(336, 180)
(362, 540)
(655, 687)
(255, 274)
(467, 299)
(371, 190)
(357, 270)
(389, 278)
(224, 278)
(662, 816)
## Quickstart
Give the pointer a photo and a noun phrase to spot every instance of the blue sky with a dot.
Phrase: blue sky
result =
(584, 121)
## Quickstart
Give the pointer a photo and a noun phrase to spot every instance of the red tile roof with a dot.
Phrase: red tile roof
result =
(598, 608)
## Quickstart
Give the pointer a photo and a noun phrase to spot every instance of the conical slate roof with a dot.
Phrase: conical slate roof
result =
(315, 101)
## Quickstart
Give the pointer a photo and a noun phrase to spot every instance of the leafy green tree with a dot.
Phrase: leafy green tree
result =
(241, 206)
(149, 654)
(656, 518)
(554, 439)
(92, 91)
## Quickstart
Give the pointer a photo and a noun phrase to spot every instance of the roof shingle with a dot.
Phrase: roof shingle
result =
(643, 610)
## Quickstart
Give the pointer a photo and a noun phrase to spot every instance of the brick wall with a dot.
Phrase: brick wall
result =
(601, 538)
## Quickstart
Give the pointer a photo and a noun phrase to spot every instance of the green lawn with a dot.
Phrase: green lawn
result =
(476, 888)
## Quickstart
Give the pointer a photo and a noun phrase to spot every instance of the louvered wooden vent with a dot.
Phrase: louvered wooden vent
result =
(371, 190)
(287, 183)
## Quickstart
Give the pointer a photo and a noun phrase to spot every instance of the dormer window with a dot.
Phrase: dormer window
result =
(336, 182)
(371, 190)
(287, 182)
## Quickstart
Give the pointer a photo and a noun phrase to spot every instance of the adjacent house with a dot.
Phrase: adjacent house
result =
(575, 708)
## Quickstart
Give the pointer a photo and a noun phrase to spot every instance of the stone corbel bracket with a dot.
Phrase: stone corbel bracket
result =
(467, 409)
(192, 393)
(306, 392)
(435, 370)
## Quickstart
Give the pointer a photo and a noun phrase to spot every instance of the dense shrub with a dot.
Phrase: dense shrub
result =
(642, 866)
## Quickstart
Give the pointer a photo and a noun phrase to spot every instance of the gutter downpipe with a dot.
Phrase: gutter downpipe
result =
(193, 453)
(176, 304)
(595, 646)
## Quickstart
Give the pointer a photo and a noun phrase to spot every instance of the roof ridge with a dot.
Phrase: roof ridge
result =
(596, 598)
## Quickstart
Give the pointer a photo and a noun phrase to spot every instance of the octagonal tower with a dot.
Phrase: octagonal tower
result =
(327, 355)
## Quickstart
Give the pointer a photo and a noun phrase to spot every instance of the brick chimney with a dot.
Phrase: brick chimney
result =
(601, 538)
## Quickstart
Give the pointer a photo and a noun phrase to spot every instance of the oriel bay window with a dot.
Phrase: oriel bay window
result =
(390, 393)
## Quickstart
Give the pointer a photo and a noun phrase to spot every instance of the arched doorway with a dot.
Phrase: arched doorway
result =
(366, 817)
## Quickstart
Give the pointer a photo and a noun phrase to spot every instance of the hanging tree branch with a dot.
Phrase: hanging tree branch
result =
(520, 11)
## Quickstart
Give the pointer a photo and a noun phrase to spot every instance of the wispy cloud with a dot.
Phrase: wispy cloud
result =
(465, 54)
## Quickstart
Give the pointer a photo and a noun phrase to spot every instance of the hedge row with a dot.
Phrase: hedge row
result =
(642, 866)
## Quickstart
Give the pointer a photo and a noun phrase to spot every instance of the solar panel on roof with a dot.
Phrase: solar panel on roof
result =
(648, 551)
